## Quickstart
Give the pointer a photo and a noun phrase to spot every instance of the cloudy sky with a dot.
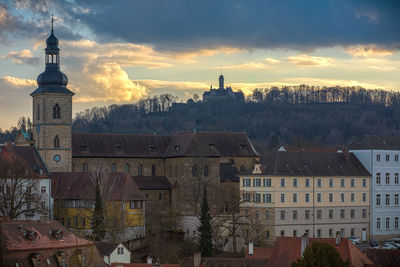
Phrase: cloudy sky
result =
(119, 51)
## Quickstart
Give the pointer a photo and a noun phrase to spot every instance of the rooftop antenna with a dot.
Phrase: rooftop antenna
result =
(52, 23)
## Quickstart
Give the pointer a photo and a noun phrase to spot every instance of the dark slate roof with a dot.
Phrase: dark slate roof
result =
(312, 163)
(376, 142)
(29, 154)
(152, 182)
(211, 144)
(52, 89)
(106, 248)
(79, 186)
(228, 173)
(130, 145)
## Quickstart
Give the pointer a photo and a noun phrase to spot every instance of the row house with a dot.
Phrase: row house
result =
(74, 203)
(380, 156)
(318, 193)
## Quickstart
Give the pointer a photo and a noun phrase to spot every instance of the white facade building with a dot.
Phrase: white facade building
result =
(380, 156)
(114, 252)
(39, 184)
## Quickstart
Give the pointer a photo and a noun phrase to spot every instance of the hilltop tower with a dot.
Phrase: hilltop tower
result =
(52, 111)
(221, 82)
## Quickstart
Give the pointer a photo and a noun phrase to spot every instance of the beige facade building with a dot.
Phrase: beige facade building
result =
(320, 193)
(188, 160)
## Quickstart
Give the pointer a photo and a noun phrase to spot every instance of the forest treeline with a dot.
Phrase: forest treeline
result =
(294, 115)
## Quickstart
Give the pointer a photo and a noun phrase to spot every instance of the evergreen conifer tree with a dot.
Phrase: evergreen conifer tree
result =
(99, 230)
(205, 230)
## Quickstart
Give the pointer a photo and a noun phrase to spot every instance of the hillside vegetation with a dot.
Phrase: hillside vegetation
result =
(298, 116)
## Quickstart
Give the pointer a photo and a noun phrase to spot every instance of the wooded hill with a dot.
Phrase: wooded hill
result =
(298, 116)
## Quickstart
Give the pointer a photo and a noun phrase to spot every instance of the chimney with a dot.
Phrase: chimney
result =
(338, 238)
(149, 260)
(304, 242)
(251, 248)
(44, 218)
(197, 259)
(345, 154)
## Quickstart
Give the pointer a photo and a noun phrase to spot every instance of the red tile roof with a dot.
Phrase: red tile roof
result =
(288, 250)
(27, 154)
(259, 252)
(17, 247)
(384, 257)
(116, 264)
(79, 186)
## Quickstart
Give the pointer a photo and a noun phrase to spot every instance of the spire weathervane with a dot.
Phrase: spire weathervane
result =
(52, 23)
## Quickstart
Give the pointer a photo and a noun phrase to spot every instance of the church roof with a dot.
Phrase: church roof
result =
(211, 144)
(119, 145)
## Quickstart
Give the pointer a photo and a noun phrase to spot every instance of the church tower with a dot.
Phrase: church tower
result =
(52, 112)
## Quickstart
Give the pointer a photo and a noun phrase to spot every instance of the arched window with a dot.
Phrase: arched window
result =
(127, 167)
(56, 142)
(140, 169)
(38, 112)
(56, 112)
(194, 170)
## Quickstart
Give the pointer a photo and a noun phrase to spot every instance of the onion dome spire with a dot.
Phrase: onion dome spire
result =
(52, 80)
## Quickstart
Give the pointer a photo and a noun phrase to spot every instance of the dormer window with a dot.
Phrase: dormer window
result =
(118, 148)
(152, 148)
(242, 147)
(177, 147)
(30, 234)
(56, 112)
(212, 146)
(83, 148)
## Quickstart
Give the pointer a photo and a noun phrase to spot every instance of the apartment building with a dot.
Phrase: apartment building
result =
(319, 193)
(380, 156)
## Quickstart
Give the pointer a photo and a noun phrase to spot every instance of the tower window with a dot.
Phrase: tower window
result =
(38, 112)
(56, 112)
(56, 142)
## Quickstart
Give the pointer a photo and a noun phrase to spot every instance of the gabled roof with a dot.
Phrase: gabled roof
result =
(13, 238)
(384, 257)
(152, 182)
(210, 144)
(376, 142)
(17, 247)
(312, 163)
(27, 154)
(119, 145)
(80, 186)
(231, 262)
(106, 248)
(288, 249)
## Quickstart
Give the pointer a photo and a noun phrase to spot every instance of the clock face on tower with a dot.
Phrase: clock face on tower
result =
(57, 158)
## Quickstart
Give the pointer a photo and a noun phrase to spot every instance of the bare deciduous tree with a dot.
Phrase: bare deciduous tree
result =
(19, 189)
(234, 219)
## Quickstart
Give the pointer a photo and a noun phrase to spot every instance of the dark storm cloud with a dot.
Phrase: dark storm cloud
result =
(299, 24)
(16, 25)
